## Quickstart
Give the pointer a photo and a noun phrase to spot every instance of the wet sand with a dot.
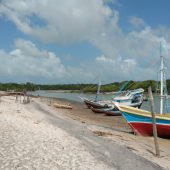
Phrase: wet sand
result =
(81, 113)
(116, 129)
(39, 136)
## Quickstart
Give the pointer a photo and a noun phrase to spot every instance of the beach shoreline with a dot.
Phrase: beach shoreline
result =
(115, 128)
(81, 113)
(33, 136)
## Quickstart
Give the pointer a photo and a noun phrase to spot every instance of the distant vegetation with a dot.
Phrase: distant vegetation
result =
(82, 87)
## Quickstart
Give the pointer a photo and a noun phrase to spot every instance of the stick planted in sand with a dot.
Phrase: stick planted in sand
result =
(154, 122)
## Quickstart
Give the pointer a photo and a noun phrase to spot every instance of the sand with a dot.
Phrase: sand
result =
(29, 142)
(116, 129)
(38, 136)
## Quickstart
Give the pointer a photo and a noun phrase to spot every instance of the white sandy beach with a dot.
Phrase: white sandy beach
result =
(28, 142)
(30, 139)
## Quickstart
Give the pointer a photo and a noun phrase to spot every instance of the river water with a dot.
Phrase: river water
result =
(76, 97)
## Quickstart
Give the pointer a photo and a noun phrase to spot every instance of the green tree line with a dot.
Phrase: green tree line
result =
(83, 87)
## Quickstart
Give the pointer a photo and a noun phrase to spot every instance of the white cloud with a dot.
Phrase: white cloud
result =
(162, 31)
(64, 21)
(118, 68)
(57, 21)
(136, 21)
(105, 59)
(26, 62)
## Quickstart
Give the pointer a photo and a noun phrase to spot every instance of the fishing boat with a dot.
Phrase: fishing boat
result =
(107, 111)
(140, 121)
(96, 110)
(96, 104)
(132, 98)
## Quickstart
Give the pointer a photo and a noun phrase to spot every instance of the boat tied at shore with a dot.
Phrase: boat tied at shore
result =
(107, 111)
(132, 98)
(140, 121)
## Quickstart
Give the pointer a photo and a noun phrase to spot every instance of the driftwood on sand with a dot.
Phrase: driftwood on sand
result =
(62, 106)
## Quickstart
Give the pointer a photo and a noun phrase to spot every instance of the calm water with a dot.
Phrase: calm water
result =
(75, 97)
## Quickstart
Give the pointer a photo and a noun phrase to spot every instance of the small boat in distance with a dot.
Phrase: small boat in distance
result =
(140, 121)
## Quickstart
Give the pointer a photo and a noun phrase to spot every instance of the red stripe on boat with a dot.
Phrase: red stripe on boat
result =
(145, 129)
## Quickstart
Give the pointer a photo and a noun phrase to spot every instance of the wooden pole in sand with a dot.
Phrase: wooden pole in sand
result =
(28, 99)
(24, 95)
(154, 122)
(16, 97)
(20, 97)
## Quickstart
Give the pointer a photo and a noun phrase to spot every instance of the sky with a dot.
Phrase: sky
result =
(82, 41)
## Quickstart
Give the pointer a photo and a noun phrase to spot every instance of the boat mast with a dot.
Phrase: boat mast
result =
(162, 80)
(98, 90)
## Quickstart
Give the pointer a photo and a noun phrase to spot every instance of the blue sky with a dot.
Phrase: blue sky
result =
(153, 12)
(54, 41)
